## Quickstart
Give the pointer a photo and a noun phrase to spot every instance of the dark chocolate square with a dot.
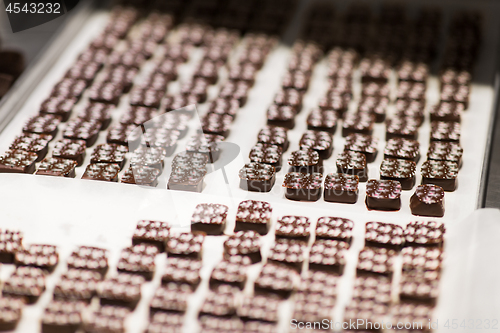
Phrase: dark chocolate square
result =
(33, 143)
(221, 302)
(303, 186)
(185, 245)
(445, 151)
(79, 129)
(146, 97)
(70, 149)
(375, 288)
(257, 177)
(358, 123)
(312, 307)
(447, 111)
(89, 258)
(361, 143)
(455, 76)
(305, 161)
(411, 90)
(198, 88)
(106, 92)
(227, 105)
(379, 234)
(38, 255)
(186, 179)
(110, 318)
(328, 255)
(102, 171)
(171, 322)
(406, 127)
(424, 233)
(293, 227)
(185, 102)
(26, 282)
(151, 232)
(69, 88)
(428, 200)
(243, 243)
(212, 324)
(338, 228)
(322, 120)
(58, 106)
(374, 105)
(276, 279)
(281, 115)
(83, 70)
(413, 109)
(151, 157)
(253, 215)
(62, 315)
(400, 170)
(10, 244)
(231, 271)
(374, 69)
(10, 312)
(441, 173)
(205, 144)
(445, 131)
(400, 148)
(289, 97)
(60, 167)
(455, 93)
(235, 93)
(138, 115)
(342, 188)
(413, 71)
(260, 307)
(242, 72)
(267, 154)
(296, 80)
(422, 287)
(138, 260)
(141, 175)
(376, 261)
(383, 194)
(353, 163)
(42, 124)
(121, 75)
(422, 258)
(275, 136)
(377, 89)
(182, 271)
(77, 284)
(109, 153)
(158, 81)
(409, 312)
(336, 103)
(209, 218)
(289, 252)
(129, 58)
(171, 297)
(122, 290)
(220, 124)
(319, 141)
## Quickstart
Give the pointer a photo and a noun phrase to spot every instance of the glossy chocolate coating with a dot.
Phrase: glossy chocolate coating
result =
(33, 143)
(374, 105)
(305, 161)
(151, 157)
(187, 179)
(182, 271)
(243, 72)
(257, 177)
(243, 243)
(60, 106)
(185, 102)
(296, 80)
(10, 312)
(428, 200)
(205, 144)
(141, 175)
(328, 255)
(400, 148)
(62, 315)
(445, 131)
(109, 153)
(353, 163)
(289, 252)
(400, 170)
(138, 115)
(411, 108)
(77, 284)
(411, 90)
(267, 154)
(89, 258)
(121, 290)
(121, 75)
(42, 124)
(107, 318)
(70, 149)
(253, 215)
(102, 171)
(312, 307)
(69, 88)
(10, 244)
(441, 173)
(122, 133)
(219, 124)
(106, 92)
(275, 136)
(151, 232)
(383, 194)
(235, 93)
(157, 82)
(26, 282)
(275, 279)
(406, 127)
(209, 218)
(336, 103)
(38, 255)
(129, 58)
(303, 186)
(293, 227)
(185, 245)
(455, 93)
(322, 120)
(376, 261)
(259, 307)
(422, 258)
(146, 97)
(289, 97)
(53, 166)
(281, 115)
(170, 297)
(231, 271)
(319, 141)
(447, 111)
(424, 233)
(227, 105)
(79, 129)
(197, 87)
(361, 143)
(379, 234)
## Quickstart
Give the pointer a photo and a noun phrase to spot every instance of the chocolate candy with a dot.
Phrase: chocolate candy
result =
(319, 141)
(123, 134)
(10, 312)
(243, 72)
(182, 271)
(62, 315)
(208, 71)
(26, 282)
(401, 127)
(146, 97)
(213, 324)
(33, 143)
(400, 148)
(69, 88)
(138, 259)
(221, 302)
(156, 82)
(42, 124)
(121, 290)
(293, 227)
(296, 80)
(226, 105)
(365, 144)
(306, 161)
(455, 93)
(260, 307)
(428, 233)
(447, 111)
(413, 109)
(37, 255)
(334, 228)
(275, 279)
(310, 308)
(106, 92)
(411, 90)
(205, 144)
(150, 157)
(428, 200)
(380, 234)
(374, 288)
(83, 70)
(321, 283)
(129, 58)
(185, 245)
(138, 115)
(303, 186)
(374, 70)
(340, 86)
(339, 104)
(186, 179)
(455, 77)
(420, 287)
(358, 123)
(376, 261)
(186, 103)
(257, 177)
(445, 131)
(289, 97)
(289, 252)
(267, 154)
(102, 171)
(57, 167)
(89, 258)
(151, 232)
(342, 188)
(422, 258)
(374, 105)
(120, 76)
(141, 175)
(197, 88)
(322, 120)
(79, 129)
(109, 153)
(328, 255)
(281, 115)
(166, 322)
(187, 160)
(353, 163)
(408, 312)
(383, 194)
(402, 171)
(104, 41)
(274, 135)
(58, 106)
(106, 318)
(375, 89)
(243, 243)
(170, 297)
(209, 218)
(413, 71)
(219, 124)
(253, 215)
(235, 93)
(441, 173)
(10, 244)
(77, 284)
(231, 271)
(160, 137)
(70, 149)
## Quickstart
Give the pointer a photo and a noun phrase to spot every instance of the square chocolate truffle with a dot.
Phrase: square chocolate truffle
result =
(70, 149)
(361, 123)
(158, 81)
(291, 98)
(293, 227)
(219, 324)
(242, 72)
(146, 97)
(26, 282)
(374, 69)
(138, 115)
(275, 279)
(376, 288)
(69, 88)
(62, 315)
(11, 309)
(445, 151)
(209, 218)
(138, 260)
(124, 134)
(226, 105)
(109, 153)
(260, 307)
(187, 179)
(424, 233)
(170, 297)
(375, 89)
(182, 271)
(376, 261)
(274, 135)
(205, 144)
(33, 143)
(312, 307)
(353, 163)
(253, 215)
(161, 137)
(257, 177)
(289, 252)
(421, 287)
(455, 77)
(319, 141)
(77, 284)
(447, 111)
(361, 143)
(186, 244)
(445, 131)
(341, 188)
(413, 71)
(10, 244)
(170, 322)
(60, 167)
(383, 194)
(305, 161)
(243, 243)
(267, 154)
(402, 171)
(198, 88)
(128, 58)
(374, 105)
(235, 95)
(183, 104)
(89, 258)
(281, 115)
(322, 120)
(102, 171)
(328, 255)
(78, 129)
(411, 90)
(303, 186)
(441, 173)
(106, 318)
(151, 232)
(58, 106)
(38, 255)
(141, 175)
(338, 228)
(411, 312)
(18, 161)
(455, 93)
(106, 92)
(230, 272)
(379, 234)
(400, 148)
(406, 127)
(42, 124)
(428, 200)
(422, 258)
(296, 80)
(121, 75)
(413, 109)
(122, 290)
(84, 70)
(221, 302)
(337, 103)
(219, 124)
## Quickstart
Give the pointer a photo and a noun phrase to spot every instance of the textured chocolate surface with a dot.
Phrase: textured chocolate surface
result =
(138, 259)
(102, 171)
(322, 120)
(79, 129)
(293, 227)
(107, 319)
(455, 93)
(281, 115)
(62, 315)
(377, 261)
(441, 173)
(171, 297)
(445, 151)
(33, 143)
(123, 134)
(328, 255)
(10, 244)
(411, 90)
(141, 175)
(128, 58)
(164, 322)
(312, 307)
(183, 271)
(319, 141)
(234, 94)
(185, 245)
(289, 97)
(213, 123)
(428, 200)
(69, 88)
(400, 148)
(275, 279)
(10, 312)
(42, 124)
(384, 235)
(77, 284)
(162, 138)
(445, 131)
(375, 288)
(419, 286)
(138, 115)
(358, 123)
(375, 89)
(275, 136)
(205, 144)
(383, 194)
(148, 157)
(213, 324)
(336, 103)
(352, 163)
(109, 153)
(259, 307)
(267, 154)
(70, 149)
(59, 167)
(424, 233)
(303, 186)
(408, 312)
(151, 232)
(422, 258)
(253, 215)
(18, 161)
(257, 177)
(89, 258)
(406, 127)
(231, 271)
(243, 243)
(447, 111)
(121, 290)
(187, 179)
(38, 255)
(305, 161)
(399, 170)
(220, 302)
(83, 70)
(289, 252)
(120, 75)
(28, 282)
(147, 97)
(316, 282)
(342, 188)
(58, 106)
(209, 218)
(413, 109)
(374, 69)
(338, 228)
(374, 105)
(413, 71)
(361, 143)
(106, 92)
